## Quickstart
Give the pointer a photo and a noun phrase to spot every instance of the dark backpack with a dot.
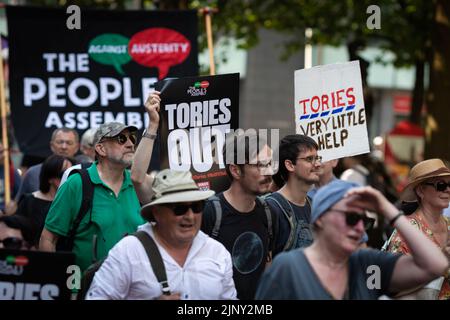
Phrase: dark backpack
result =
(218, 219)
(66, 243)
(288, 211)
(154, 256)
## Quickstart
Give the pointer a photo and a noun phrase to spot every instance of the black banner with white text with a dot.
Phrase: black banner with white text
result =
(103, 72)
(196, 114)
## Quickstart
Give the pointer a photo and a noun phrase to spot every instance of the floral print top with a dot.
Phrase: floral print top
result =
(398, 245)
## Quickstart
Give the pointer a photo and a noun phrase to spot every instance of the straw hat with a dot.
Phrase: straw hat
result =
(423, 171)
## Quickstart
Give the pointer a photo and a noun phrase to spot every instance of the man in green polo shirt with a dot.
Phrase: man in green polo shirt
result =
(115, 208)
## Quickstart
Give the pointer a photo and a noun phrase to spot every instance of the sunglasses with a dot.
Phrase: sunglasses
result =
(439, 186)
(181, 209)
(12, 243)
(122, 138)
(352, 219)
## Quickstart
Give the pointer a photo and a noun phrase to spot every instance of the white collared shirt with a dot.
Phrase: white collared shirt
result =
(126, 273)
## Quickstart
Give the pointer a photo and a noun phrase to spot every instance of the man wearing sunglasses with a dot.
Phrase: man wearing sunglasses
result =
(115, 206)
(197, 266)
(334, 267)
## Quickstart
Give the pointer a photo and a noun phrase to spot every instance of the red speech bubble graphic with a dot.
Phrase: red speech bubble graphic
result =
(160, 48)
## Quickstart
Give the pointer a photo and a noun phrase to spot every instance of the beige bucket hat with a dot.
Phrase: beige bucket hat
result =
(172, 186)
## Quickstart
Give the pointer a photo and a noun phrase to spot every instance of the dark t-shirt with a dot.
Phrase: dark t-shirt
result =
(303, 217)
(35, 210)
(245, 236)
(291, 277)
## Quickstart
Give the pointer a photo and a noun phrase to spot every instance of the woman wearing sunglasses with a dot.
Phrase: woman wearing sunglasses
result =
(429, 187)
(15, 233)
(334, 267)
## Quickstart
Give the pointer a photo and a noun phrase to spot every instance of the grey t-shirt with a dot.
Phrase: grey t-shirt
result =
(30, 182)
(291, 277)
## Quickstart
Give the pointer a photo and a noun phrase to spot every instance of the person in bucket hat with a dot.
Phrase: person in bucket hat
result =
(114, 210)
(334, 267)
(173, 187)
(429, 187)
(197, 266)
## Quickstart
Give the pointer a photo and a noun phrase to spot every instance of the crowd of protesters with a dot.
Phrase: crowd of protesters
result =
(298, 233)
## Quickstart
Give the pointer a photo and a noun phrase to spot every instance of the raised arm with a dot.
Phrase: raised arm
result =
(426, 261)
(142, 181)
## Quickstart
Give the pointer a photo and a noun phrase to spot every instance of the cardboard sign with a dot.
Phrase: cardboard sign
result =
(329, 107)
(34, 275)
(101, 73)
(196, 113)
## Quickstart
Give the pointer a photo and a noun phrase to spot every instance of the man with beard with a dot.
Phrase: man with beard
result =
(237, 218)
(299, 171)
(115, 209)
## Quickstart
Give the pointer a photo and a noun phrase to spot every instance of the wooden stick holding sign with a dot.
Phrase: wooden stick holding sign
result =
(4, 132)
(207, 12)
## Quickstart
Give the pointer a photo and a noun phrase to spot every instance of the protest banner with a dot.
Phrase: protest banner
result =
(196, 113)
(103, 72)
(329, 107)
(35, 275)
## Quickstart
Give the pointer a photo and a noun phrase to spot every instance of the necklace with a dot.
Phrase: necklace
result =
(435, 232)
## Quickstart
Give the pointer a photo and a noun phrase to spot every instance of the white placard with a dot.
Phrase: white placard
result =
(329, 107)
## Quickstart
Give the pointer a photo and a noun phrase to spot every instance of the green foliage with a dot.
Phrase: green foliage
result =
(405, 24)
(98, 4)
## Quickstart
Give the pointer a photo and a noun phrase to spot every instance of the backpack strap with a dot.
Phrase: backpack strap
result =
(218, 211)
(288, 212)
(85, 165)
(156, 261)
(308, 202)
(86, 202)
(264, 204)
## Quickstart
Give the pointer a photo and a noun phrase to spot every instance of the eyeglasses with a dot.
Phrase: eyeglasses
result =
(352, 218)
(122, 138)
(261, 165)
(12, 243)
(439, 186)
(181, 209)
(311, 159)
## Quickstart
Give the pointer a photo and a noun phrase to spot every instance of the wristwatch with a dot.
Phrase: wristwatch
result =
(148, 135)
